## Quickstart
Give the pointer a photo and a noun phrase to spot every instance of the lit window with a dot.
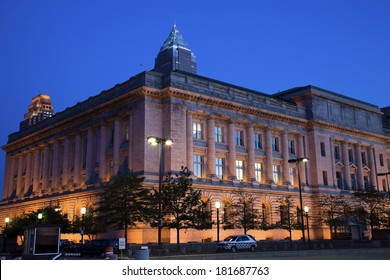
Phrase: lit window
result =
(219, 168)
(219, 134)
(197, 130)
(239, 138)
(276, 173)
(239, 169)
(258, 141)
(258, 171)
(198, 165)
(292, 175)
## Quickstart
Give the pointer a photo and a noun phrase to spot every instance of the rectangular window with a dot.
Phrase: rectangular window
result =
(353, 182)
(197, 130)
(239, 135)
(381, 161)
(257, 138)
(292, 175)
(219, 168)
(337, 153)
(258, 171)
(198, 165)
(322, 146)
(366, 183)
(127, 133)
(239, 169)
(276, 173)
(350, 155)
(219, 134)
(325, 177)
(364, 160)
(291, 147)
(275, 144)
(339, 180)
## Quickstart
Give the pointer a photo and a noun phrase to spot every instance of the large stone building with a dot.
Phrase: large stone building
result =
(225, 134)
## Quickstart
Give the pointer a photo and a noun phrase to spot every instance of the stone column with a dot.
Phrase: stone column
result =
(347, 170)
(211, 146)
(190, 143)
(27, 178)
(130, 152)
(102, 153)
(359, 164)
(19, 187)
(333, 161)
(11, 184)
(65, 162)
(56, 165)
(305, 166)
(89, 160)
(371, 161)
(46, 168)
(37, 164)
(116, 148)
(77, 160)
(269, 158)
(286, 156)
(251, 154)
(7, 176)
(232, 152)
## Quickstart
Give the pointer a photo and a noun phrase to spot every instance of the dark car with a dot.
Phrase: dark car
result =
(98, 247)
(235, 243)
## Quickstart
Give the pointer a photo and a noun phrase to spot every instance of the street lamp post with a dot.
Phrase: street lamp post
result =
(297, 161)
(306, 208)
(152, 140)
(387, 180)
(82, 211)
(5, 233)
(40, 217)
(217, 206)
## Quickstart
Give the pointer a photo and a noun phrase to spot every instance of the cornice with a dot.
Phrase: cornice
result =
(347, 130)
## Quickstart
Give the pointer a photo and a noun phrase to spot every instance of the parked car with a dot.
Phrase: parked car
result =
(98, 247)
(236, 243)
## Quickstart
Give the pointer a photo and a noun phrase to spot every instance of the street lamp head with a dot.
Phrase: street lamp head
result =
(152, 140)
(304, 159)
(6, 220)
(297, 160)
(40, 216)
(168, 142)
(306, 209)
(83, 210)
(217, 204)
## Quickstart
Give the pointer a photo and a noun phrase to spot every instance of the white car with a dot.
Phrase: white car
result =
(235, 243)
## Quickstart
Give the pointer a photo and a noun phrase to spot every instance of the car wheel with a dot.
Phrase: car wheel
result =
(252, 248)
(234, 249)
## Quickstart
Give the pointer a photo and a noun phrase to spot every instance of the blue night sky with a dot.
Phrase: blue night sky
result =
(72, 49)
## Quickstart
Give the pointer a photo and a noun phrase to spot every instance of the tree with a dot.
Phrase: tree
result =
(371, 208)
(333, 211)
(122, 202)
(181, 205)
(288, 220)
(50, 215)
(92, 224)
(243, 214)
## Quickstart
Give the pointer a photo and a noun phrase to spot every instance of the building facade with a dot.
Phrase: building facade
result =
(225, 134)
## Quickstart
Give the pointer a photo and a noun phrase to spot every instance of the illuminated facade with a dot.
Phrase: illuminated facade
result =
(224, 133)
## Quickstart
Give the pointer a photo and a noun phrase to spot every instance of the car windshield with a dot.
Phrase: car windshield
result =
(230, 238)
